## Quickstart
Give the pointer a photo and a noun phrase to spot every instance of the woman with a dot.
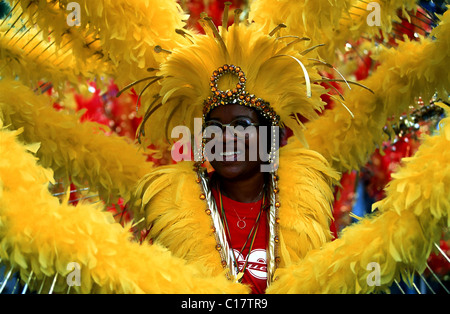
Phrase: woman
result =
(239, 190)
(246, 229)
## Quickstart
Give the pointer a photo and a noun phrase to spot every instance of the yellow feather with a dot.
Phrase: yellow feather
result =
(44, 236)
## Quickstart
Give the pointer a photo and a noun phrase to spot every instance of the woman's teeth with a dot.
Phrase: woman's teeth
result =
(230, 153)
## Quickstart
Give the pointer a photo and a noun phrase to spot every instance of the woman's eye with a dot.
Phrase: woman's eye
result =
(242, 123)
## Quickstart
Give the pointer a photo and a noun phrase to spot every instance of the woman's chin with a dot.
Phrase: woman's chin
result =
(234, 169)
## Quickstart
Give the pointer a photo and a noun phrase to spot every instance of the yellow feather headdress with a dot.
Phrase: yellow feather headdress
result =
(277, 70)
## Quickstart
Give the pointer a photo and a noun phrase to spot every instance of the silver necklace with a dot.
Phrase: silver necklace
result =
(241, 224)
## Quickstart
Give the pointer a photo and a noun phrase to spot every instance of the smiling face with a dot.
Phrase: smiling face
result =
(239, 156)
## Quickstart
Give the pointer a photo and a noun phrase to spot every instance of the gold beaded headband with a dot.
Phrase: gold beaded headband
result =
(236, 96)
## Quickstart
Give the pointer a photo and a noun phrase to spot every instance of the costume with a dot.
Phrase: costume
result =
(179, 72)
(303, 221)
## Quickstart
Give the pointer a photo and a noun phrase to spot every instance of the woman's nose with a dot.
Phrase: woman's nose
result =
(229, 139)
(228, 134)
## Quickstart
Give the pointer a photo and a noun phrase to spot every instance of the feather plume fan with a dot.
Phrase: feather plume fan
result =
(331, 23)
(112, 38)
(413, 69)
(143, 44)
(40, 238)
(76, 152)
(398, 238)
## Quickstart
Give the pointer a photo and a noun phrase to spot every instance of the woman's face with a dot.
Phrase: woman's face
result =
(233, 156)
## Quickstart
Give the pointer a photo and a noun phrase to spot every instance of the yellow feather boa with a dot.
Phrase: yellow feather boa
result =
(40, 235)
(57, 55)
(329, 22)
(399, 238)
(169, 200)
(126, 31)
(413, 69)
(77, 152)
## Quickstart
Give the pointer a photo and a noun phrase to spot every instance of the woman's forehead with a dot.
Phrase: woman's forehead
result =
(228, 113)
